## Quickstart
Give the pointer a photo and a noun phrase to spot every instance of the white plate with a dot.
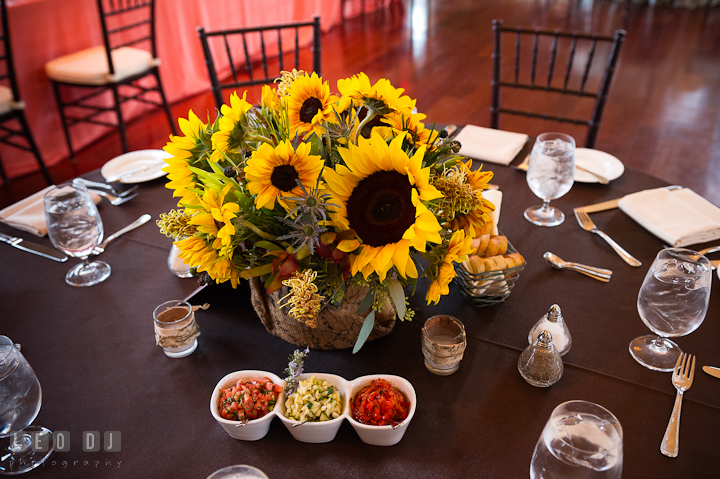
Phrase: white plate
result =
(604, 164)
(153, 159)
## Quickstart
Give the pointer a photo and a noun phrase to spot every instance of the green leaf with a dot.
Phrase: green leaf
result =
(367, 303)
(216, 168)
(268, 245)
(398, 297)
(365, 331)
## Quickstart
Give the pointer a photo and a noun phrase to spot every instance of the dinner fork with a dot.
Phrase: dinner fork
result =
(682, 379)
(114, 200)
(587, 224)
(95, 184)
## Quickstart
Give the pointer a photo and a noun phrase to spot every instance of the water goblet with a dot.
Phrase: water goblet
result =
(581, 439)
(20, 398)
(75, 228)
(550, 174)
(672, 301)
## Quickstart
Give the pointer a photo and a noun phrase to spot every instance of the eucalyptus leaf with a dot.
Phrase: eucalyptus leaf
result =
(367, 303)
(398, 297)
(365, 331)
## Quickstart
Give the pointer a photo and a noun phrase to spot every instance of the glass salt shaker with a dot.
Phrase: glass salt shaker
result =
(554, 323)
(540, 364)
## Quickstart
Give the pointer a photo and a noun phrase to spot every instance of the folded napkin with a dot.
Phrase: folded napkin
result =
(487, 144)
(494, 197)
(679, 217)
(29, 214)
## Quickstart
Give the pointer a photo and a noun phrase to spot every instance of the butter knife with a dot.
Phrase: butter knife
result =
(715, 372)
(34, 248)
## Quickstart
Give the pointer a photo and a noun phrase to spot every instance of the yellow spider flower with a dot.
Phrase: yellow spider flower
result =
(380, 194)
(309, 104)
(233, 127)
(459, 247)
(476, 181)
(272, 173)
(216, 220)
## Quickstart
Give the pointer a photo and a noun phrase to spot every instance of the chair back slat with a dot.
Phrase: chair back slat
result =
(254, 44)
(577, 80)
(571, 59)
(553, 55)
(536, 44)
(7, 66)
(588, 65)
(125, 23)
(248, 63)
(230, 57)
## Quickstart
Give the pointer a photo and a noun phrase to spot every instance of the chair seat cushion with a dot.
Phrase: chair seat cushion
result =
(6, 98)
(90, 66)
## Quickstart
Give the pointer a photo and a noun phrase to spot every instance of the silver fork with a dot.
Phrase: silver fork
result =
(95, 184)
(682, 379)
(587, 224)
(114, 200)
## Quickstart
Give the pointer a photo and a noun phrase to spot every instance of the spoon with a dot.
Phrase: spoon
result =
(599, 274)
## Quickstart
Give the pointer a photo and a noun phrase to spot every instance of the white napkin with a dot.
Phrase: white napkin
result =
(679, 217)
(495, 197)
(29, 214)
(488, 144)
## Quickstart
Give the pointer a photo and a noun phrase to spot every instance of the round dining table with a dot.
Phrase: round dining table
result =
(94, 352)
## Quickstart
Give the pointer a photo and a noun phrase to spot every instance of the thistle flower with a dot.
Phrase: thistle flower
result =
(294, 369)
(303, 297)
(176, 224)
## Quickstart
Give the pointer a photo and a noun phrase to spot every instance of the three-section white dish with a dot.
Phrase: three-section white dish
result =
(316, 432)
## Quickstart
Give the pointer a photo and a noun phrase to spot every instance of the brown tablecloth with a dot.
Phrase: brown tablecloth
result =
(94, 353)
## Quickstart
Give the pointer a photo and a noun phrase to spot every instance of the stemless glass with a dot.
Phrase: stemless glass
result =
(20, 398)
(580, 440)
(672, 301)
(550, 175)
(75, 228)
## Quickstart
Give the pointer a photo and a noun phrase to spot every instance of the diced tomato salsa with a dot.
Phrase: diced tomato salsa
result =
(380, 404)
(250, 398)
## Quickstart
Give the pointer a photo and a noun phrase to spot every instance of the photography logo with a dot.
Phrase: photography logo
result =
(92, 441)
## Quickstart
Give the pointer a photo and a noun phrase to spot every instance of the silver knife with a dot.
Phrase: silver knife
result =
(712, 371)
(34, 248)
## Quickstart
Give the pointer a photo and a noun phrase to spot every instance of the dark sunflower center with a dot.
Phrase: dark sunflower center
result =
(380, 208)
(309, 109)
(283, 177)
(377, 121)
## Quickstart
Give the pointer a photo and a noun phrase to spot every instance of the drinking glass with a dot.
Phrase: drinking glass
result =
(580, 440)
(672, 301)
(75, 228)
(20, 397)
(238, 472)
(550, 175)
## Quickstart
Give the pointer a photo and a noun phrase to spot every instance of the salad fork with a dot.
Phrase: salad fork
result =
(114, 200)
(588, 225)
(682, 379)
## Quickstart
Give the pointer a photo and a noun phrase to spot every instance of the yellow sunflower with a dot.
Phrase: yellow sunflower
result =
(269, 98)
(459, 247)
(197, 252)
(216, 220)
(186, 151)
(380, 99)
(309, 104)
(272, 173)
(412, 123)
(380, 194)
(233, 127)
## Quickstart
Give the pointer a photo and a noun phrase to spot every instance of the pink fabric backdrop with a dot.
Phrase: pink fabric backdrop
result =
(45, 29)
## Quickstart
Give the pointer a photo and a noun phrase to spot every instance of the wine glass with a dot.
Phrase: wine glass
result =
(550, 175)
(75, 228)
(20, 397)
(581, 439)
(672, 301)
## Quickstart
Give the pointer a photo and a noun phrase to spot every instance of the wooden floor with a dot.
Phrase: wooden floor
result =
(662, 117)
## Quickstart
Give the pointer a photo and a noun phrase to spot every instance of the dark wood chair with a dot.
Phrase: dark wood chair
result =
(115, 64)
(579, 58)
(13, 123)
(230, 41)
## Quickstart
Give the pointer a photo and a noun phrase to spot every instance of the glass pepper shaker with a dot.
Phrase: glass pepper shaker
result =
(554, 323)
(540, 364)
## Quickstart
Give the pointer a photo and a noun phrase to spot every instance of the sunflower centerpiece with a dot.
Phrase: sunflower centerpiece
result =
(331, 205)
